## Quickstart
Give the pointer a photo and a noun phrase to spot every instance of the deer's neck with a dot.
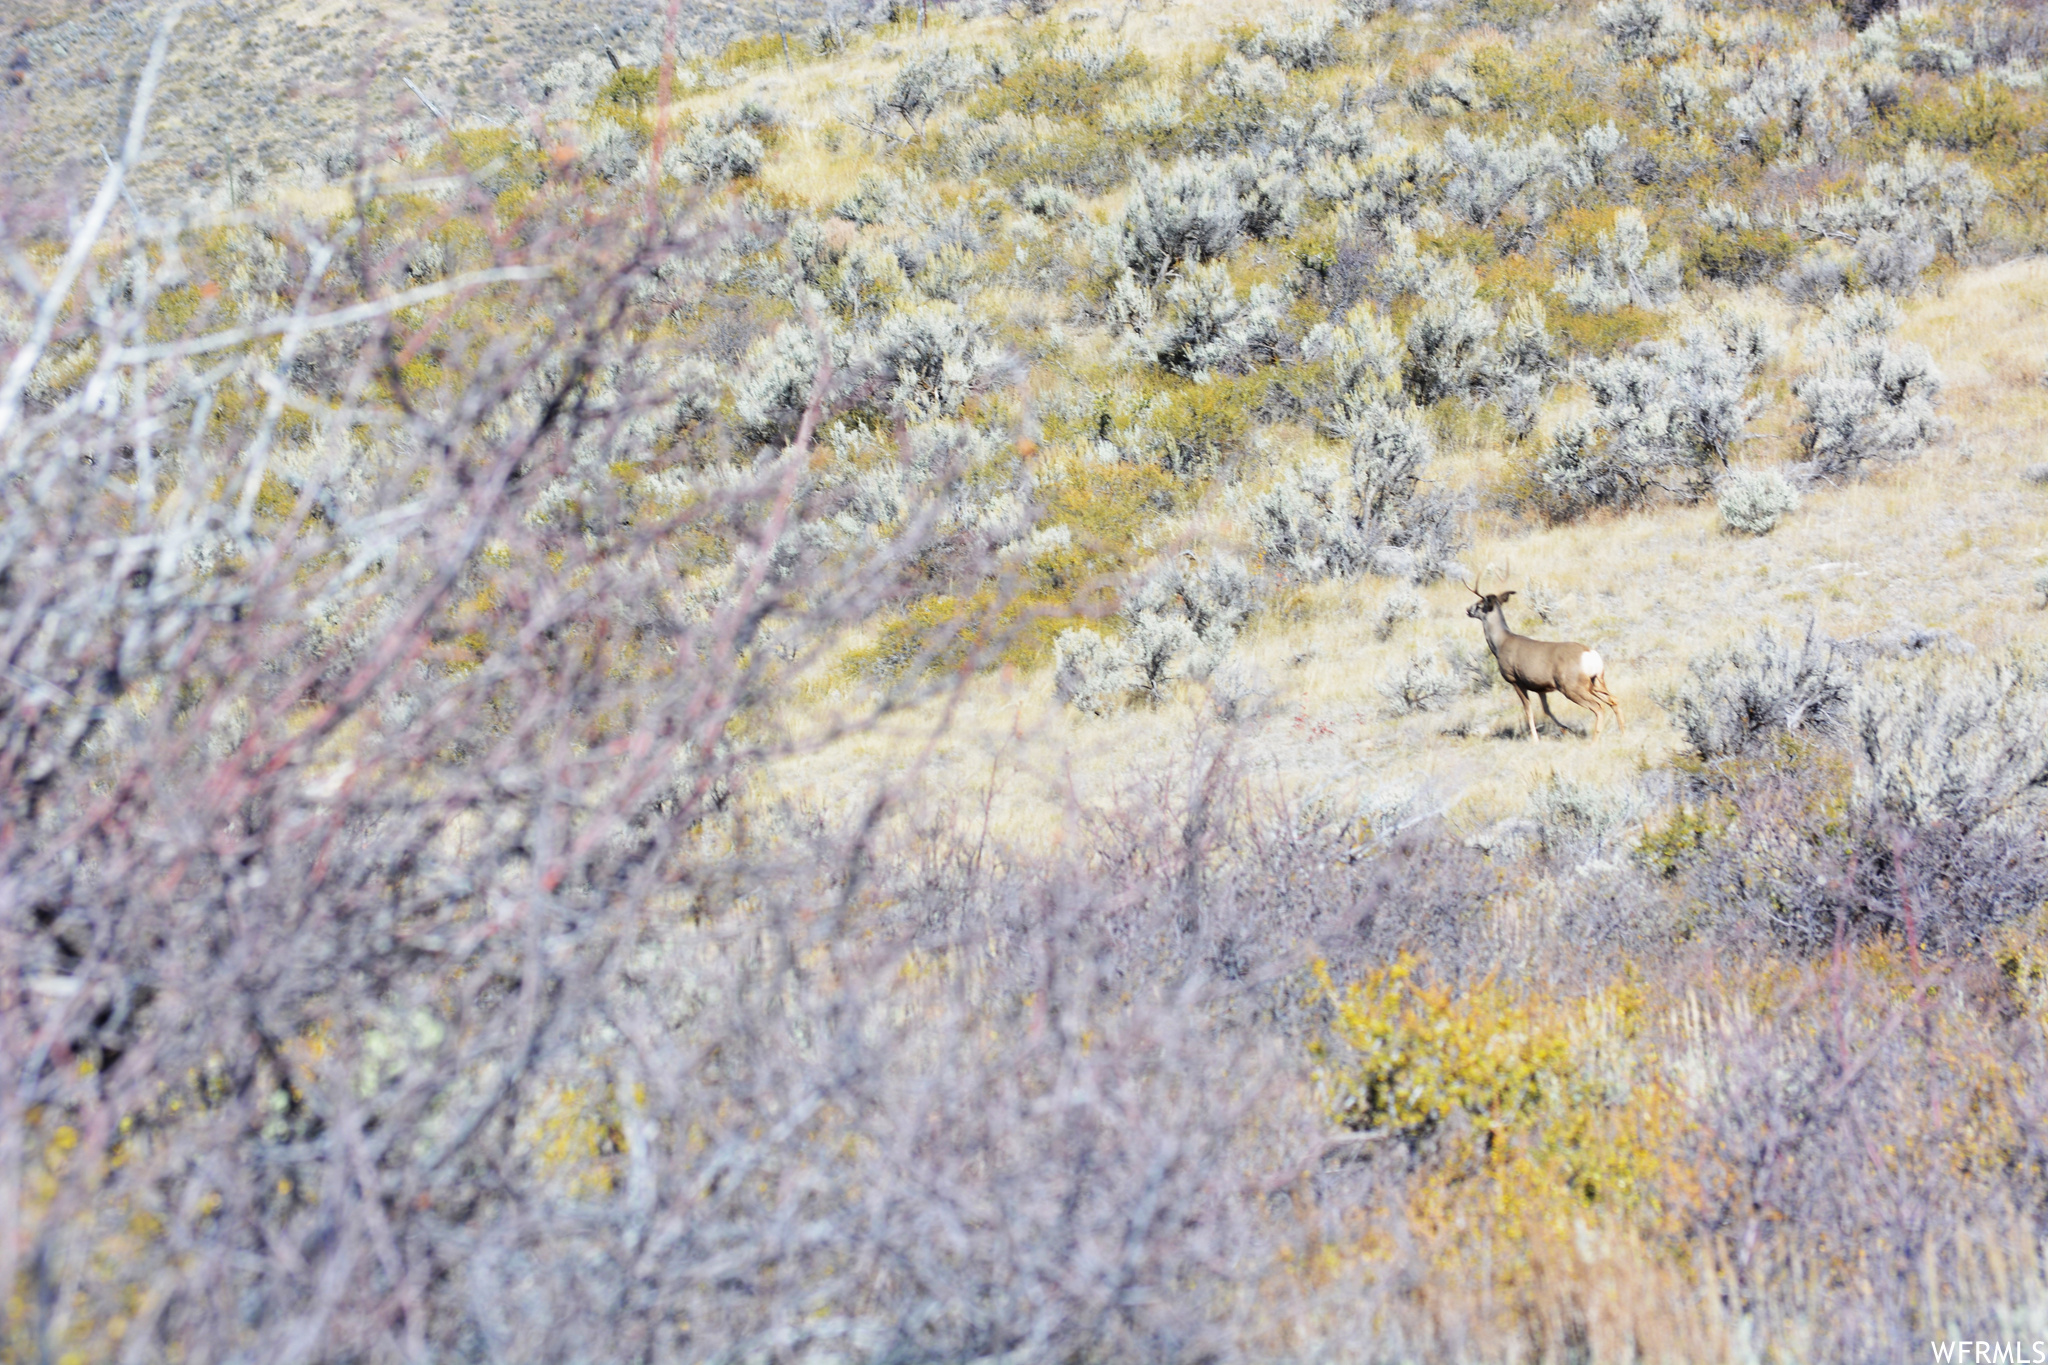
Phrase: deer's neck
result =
(1497, 633)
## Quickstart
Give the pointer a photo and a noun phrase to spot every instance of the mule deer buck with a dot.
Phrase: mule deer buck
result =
(1542, 666)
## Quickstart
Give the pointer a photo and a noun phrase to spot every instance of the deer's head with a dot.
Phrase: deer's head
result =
(1488, 603)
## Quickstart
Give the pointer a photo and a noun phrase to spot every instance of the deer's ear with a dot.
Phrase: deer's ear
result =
(1506, 595)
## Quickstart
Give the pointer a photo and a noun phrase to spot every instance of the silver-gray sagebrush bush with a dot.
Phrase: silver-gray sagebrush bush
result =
(918, 89)
(1490, 175)
(1306, 40)
(1952, 740)
(1584, 819)
(1753, 501)
(1665, 421)
(1450, 338)
(715, 157)
(1187, 212)
(1638, 28)
(1400, 607)
(1204, 325)
(1419, 683)
(1872, 398)
(1357, 368)
(1931, 771)
(1951, 781)
(1927, 199)
(1736, 699)
(1178, 622)
(1370, 514)
(1091, 672)
(1621, 271)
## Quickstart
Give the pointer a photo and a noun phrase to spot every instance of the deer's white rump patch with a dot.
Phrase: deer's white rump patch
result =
(1590, 665)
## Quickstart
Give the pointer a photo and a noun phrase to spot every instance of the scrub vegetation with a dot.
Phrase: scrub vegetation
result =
(802, 694)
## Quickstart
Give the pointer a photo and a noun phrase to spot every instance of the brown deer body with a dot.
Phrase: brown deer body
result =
(1540, 667)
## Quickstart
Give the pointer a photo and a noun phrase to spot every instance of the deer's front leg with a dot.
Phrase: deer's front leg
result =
(1528, 711)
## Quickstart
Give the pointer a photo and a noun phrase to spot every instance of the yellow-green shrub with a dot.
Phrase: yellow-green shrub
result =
(176, 309)
(765, 48)
(495, 154)
(1107, 506)
(1667, 846)
(573, 1137)
(1982, 115)
(1526, 1111)
(1510, 279)
(1073, 154)
(631, 89)
(1499, 76)
(1605, 333)
(1742, 255)
(1459, 239)
(1575, 233)
(943, 632)
(1062, 89)
(1195, 428)
(2023, 186)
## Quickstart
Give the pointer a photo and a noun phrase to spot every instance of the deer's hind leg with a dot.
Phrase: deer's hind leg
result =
(1599, 687)
(1585, 696)
(1573, 698)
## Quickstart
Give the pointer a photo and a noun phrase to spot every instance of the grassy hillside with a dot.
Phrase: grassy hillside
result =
(805, 694)
(1950, 540)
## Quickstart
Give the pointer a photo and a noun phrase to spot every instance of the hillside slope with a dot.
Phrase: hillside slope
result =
(1950, 547)
(278, 89)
